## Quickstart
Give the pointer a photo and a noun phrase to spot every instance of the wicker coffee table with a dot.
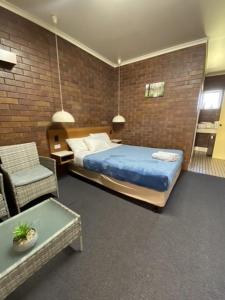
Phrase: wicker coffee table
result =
(57, 226)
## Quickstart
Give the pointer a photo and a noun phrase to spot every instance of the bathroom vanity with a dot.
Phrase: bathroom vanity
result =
(206, 136)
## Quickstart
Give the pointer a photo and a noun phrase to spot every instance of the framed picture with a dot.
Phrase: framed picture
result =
(154, 90)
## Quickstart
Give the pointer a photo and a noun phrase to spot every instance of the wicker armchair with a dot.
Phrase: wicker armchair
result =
(28, 175)
(4, 212)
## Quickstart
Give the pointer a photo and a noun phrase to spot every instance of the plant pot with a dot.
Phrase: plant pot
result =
(25, 244)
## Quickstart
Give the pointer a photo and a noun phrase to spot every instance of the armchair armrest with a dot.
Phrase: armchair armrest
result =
(1, 185)
(3, 193)
(6, 176)
(48, 162)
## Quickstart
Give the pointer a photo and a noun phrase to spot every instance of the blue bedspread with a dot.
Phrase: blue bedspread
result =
(135, 165)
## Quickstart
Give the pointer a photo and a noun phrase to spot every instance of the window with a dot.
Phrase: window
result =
(211, 99)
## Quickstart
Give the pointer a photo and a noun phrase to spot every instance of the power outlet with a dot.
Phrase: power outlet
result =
(56, 147)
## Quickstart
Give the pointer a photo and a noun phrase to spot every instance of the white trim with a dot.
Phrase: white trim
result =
(166, 50)
(75, 42)
(211, 74)
(52, 29)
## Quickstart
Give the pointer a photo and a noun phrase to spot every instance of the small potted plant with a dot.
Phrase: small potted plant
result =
(24, 237)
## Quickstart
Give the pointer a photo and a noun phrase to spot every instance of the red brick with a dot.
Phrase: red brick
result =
(23, 78)
(6, 74)
(6, 100)
(3, 94)
(14, 82)
(4, 106)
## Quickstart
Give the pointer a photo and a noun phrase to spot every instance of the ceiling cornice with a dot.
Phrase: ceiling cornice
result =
(166, 50)
(30, 17)
(211, 74)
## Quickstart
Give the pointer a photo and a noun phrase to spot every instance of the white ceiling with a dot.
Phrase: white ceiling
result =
(130, 29)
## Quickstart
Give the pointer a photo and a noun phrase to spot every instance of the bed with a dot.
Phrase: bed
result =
(129, 170)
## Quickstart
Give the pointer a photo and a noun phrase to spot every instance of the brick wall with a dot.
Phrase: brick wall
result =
(29, 91)
(169, 121)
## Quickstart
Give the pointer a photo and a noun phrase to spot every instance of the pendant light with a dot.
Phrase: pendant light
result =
(61, 116)
(119, 118)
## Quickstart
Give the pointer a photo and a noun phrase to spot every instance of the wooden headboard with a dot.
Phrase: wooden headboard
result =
(58, 136)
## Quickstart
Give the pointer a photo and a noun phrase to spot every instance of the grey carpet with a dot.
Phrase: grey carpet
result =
(132, 253)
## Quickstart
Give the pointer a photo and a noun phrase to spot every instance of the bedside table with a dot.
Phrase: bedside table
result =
(62, 159)
(117, 141)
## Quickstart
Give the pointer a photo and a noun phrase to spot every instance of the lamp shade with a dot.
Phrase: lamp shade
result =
(63, 116)
(118, 119)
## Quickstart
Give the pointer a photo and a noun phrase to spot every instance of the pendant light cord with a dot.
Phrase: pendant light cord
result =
(59, 73)
(119, 92)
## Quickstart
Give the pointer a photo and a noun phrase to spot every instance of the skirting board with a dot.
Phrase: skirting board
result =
(134, 191)
(202, 149)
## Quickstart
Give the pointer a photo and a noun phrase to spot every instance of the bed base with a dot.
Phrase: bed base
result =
(151, 196)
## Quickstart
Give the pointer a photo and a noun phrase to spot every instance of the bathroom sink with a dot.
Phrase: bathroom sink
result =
(208, 127)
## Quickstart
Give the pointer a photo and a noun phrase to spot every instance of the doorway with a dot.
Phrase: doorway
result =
(209, 147)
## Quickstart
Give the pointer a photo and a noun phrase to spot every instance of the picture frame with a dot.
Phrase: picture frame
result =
(154, 90)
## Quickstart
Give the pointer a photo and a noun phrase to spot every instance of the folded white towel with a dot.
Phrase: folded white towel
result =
(167, 156)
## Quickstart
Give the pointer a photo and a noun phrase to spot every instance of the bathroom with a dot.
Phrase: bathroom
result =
(209, 146)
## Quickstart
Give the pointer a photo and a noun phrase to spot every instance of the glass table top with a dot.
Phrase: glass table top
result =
(48, 218)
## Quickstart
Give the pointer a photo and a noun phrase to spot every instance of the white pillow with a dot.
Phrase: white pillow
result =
(95, 144)
(101, 136)
(77, 144)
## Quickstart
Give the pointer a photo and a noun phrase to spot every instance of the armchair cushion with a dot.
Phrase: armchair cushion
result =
(31, 175)
(29, 192)
(27, 176)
